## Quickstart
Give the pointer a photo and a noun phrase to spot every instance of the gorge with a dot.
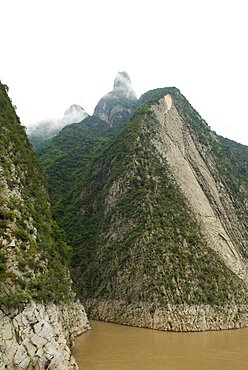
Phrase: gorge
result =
(148, 224)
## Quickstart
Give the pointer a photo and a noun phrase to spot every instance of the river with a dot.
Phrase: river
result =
(116, 347)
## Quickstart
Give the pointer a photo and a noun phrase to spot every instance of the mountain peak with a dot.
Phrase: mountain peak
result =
(75, 113)
(118, 105)
(123, 86)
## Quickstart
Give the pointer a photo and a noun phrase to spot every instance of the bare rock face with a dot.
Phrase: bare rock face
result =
(195, 173)
(171, 317)
(38, 336)
(118, 105)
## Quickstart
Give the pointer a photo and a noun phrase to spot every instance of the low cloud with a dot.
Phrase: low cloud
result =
(123, 86)
(48, 128)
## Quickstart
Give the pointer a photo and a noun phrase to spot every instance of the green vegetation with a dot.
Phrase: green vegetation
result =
(234, 166)
(29, 236)
(2, 266)
(67, 159)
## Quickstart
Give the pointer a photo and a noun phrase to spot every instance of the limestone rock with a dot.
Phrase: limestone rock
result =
(40, 336)
(181, 317)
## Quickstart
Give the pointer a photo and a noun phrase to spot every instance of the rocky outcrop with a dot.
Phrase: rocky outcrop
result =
(180, 317)
(39, 336)
(118, 105)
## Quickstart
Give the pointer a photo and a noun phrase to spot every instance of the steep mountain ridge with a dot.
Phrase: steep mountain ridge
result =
(162, 206)
(39, 314)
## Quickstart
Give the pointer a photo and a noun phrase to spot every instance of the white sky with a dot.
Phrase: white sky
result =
(57, 53)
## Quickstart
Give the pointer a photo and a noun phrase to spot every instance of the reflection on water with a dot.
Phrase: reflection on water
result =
(116, 347)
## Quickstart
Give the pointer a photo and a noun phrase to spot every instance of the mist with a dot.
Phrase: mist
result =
(48, 128)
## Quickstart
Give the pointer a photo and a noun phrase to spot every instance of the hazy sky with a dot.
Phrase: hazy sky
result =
(57, 53)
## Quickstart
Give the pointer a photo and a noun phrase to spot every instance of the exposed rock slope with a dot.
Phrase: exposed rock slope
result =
(159, 221)
(39, 316)
(195, 172)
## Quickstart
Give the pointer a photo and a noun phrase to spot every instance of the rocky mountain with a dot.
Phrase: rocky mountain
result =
(157, 214)
(46, 129)
(118, 105)
(114, 108)
(39, 312)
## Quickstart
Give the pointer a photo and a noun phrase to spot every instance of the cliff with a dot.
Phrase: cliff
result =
(39, 314)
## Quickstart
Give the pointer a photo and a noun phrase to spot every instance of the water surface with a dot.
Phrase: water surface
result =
(116, 347)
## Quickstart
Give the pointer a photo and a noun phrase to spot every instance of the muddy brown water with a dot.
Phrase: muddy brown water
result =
(116, 347)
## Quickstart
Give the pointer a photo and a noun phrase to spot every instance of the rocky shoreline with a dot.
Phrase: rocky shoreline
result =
(178, 318)
(38, 336)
